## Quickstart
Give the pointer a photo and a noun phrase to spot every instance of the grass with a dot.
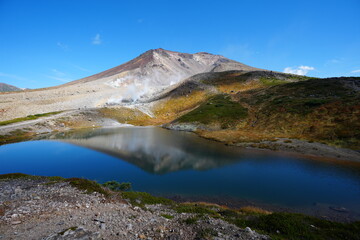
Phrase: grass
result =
(9, 176)
(218, 109)
(194, 208)
(206, 233)
(167, 216)
(299, 226)
(141, 199)
(171, 108)
(116, 186)
(277, 225)
(126, 115)
(316, 110)
(191, 220)
(87, 185)
(29, 117)
(272, 81)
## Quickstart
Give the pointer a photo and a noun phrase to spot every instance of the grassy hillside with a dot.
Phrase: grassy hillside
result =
(218, 109)
(238, 106)
(324, 110)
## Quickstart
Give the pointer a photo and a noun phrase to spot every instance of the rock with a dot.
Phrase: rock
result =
(74, 234)
(102, 226)
(248, 230)
(18, 190)
(129, 227)
(15, 222)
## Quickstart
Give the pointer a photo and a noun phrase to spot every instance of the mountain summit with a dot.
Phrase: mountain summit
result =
(170, 66)
(157, 69)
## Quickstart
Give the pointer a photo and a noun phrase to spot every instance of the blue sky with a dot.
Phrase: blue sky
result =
(47, 43)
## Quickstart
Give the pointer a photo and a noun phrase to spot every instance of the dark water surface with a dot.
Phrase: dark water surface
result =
(170, 163)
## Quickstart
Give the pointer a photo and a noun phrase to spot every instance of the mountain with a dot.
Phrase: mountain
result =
(157, 69)
(215, 97)
(8, 88)
(164, 64)
(138, 80)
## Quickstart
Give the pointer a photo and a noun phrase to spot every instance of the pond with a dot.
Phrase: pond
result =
(184, 166)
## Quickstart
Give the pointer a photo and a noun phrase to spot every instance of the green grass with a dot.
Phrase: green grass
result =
(206, 233)
(194, 208)
(272, 81)
(29, 117)
(141, 199)
(299, 226)
(116, 186)
(87, 185)
(167, 216)
(191, 220)
(16, 176)
(218, 109)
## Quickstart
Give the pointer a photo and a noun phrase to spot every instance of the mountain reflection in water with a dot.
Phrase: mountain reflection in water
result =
(157, 150)
(181, 164)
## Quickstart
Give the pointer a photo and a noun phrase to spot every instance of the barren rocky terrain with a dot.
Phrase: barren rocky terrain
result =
(43, 208)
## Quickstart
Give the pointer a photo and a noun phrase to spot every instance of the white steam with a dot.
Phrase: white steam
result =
(134, 88)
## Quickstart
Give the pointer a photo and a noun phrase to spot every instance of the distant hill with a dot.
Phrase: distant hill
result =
(8, 88)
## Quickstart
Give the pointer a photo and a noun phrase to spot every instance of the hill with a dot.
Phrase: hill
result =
(323, 110)
(8, 88)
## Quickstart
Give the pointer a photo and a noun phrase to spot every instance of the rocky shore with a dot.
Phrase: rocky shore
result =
(51, 208)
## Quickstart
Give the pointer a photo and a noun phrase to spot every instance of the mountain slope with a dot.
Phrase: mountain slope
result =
(323, 110)
(175, 63)
(8, 88)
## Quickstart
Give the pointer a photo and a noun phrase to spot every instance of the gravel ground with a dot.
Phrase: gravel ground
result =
(41, 209)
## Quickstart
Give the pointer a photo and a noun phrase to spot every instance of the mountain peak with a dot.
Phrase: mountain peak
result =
(161, 68)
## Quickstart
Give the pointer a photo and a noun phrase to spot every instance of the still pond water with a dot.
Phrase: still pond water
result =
(171, 163)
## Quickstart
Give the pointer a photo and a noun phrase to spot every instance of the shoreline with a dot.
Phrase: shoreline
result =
(296, 147)
(34, 207)
(318, 210)
(87, 119)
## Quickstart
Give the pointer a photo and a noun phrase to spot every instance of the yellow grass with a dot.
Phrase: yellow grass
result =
(252, 209)
(126, 115)
(235, 87)
(171, 108)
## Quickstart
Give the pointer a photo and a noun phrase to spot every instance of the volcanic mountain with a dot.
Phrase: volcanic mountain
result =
(215, 97)
(137, 80)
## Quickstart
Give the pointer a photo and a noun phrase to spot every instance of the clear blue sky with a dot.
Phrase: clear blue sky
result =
(47, 43)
